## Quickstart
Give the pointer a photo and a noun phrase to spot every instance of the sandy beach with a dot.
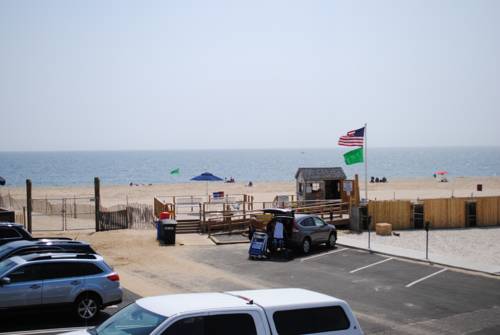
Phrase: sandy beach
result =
(415, 188)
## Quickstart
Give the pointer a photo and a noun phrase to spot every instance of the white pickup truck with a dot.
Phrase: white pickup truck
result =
(256, 312)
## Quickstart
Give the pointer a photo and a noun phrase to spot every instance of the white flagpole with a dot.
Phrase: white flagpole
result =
(366, 163)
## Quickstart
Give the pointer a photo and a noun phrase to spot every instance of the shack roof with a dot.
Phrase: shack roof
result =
(323, 173)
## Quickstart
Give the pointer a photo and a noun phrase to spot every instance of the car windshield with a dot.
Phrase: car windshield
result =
(133, 320)
(6, 265)
(5, 250)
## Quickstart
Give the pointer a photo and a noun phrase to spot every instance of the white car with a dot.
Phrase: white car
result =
(255, 312)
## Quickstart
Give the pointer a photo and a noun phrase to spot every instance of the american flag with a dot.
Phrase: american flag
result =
(354, 138)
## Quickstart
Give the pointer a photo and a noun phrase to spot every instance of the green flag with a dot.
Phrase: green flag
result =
(354, 156)
(175, 172)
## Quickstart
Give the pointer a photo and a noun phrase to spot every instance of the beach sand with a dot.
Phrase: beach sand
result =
(264, 191)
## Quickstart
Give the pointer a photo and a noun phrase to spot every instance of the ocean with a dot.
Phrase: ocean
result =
(144, 167)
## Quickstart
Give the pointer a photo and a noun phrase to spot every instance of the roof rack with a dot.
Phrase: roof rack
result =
(47, 256)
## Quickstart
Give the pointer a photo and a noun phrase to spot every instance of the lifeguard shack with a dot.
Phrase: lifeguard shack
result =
(325, 183)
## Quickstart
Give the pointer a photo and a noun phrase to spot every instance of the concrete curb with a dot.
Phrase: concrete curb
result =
(420, 260)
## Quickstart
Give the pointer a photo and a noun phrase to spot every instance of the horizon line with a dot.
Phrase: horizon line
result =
(244, 149)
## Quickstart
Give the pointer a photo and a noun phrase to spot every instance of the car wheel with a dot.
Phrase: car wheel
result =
(87, 306)
(331, 241)
(306, 245)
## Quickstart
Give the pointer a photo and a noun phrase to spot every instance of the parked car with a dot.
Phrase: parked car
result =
(303, 231)
(309, 230)
(256, 312)
(10, 232)
(24, 247)
(82, 281)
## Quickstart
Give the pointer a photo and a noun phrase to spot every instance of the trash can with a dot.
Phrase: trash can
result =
(168, 230)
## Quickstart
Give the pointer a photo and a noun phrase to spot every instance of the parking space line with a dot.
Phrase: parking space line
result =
(324, 254)
(370, 265)
(426, 277)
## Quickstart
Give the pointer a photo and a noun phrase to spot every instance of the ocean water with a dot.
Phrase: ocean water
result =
(123, 167)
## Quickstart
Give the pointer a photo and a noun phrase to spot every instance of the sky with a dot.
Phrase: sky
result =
(149, 75)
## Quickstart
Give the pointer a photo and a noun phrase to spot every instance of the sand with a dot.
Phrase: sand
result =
(265, 191)
(475, 245)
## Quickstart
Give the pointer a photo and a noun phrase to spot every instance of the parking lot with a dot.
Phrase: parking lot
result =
(388, 295)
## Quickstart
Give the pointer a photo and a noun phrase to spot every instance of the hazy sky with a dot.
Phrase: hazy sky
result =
(87, 75)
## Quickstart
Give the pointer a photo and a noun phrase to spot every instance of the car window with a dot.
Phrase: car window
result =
(318, 222)
(88, 269)
(25, 273)
(6, 265)
(187, 326)
(307, 222)
(228, 324)
(9, 233)
(311, 320)
(57, 270)
(222, 324)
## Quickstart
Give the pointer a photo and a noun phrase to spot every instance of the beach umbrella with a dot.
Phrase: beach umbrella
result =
(206, 176)
(2, 181)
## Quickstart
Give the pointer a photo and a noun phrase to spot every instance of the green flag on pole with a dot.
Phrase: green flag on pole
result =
(175, 172)
(354, 156)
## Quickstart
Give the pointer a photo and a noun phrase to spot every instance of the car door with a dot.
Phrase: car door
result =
(24, 289)
(308, 228)
(62, 282)
(322, 229)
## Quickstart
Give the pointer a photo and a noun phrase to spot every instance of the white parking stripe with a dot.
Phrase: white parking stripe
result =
(324, 254)
(368, 266)
(426, 277)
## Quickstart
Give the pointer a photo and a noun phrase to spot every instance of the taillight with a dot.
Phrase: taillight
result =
(113, 277)
(295, 227)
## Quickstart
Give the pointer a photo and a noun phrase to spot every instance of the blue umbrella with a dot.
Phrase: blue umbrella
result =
(206, 176)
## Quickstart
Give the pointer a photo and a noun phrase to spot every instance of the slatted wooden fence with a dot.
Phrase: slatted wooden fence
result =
(441, 213)
(397, 213)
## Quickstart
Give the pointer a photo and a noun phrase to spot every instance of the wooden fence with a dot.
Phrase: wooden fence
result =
(397, 212)
(488, 211)
(445, 213)
(441, 213)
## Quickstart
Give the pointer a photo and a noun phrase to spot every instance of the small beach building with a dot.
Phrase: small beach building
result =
(325, 183)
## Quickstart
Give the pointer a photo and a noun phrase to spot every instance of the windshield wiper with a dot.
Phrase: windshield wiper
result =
(92, 331)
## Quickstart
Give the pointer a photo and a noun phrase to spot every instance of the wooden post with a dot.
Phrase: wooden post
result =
(97, 201)
(127, 221)
(356, 190)
(29, 203)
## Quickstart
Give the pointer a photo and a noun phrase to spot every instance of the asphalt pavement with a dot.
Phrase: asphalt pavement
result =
(388, 295)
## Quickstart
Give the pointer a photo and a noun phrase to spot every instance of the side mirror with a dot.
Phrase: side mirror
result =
(4, 281)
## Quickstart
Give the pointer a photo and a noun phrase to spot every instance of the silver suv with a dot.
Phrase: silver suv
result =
(83, 281)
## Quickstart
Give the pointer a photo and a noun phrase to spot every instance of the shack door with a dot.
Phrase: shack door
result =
(332, 189)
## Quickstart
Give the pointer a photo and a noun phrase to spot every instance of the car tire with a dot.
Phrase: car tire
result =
(332, 240)
(87, 306)
(306, 246)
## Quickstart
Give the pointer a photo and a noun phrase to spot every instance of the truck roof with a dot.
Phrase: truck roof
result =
(168, 305)
(285, 297)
